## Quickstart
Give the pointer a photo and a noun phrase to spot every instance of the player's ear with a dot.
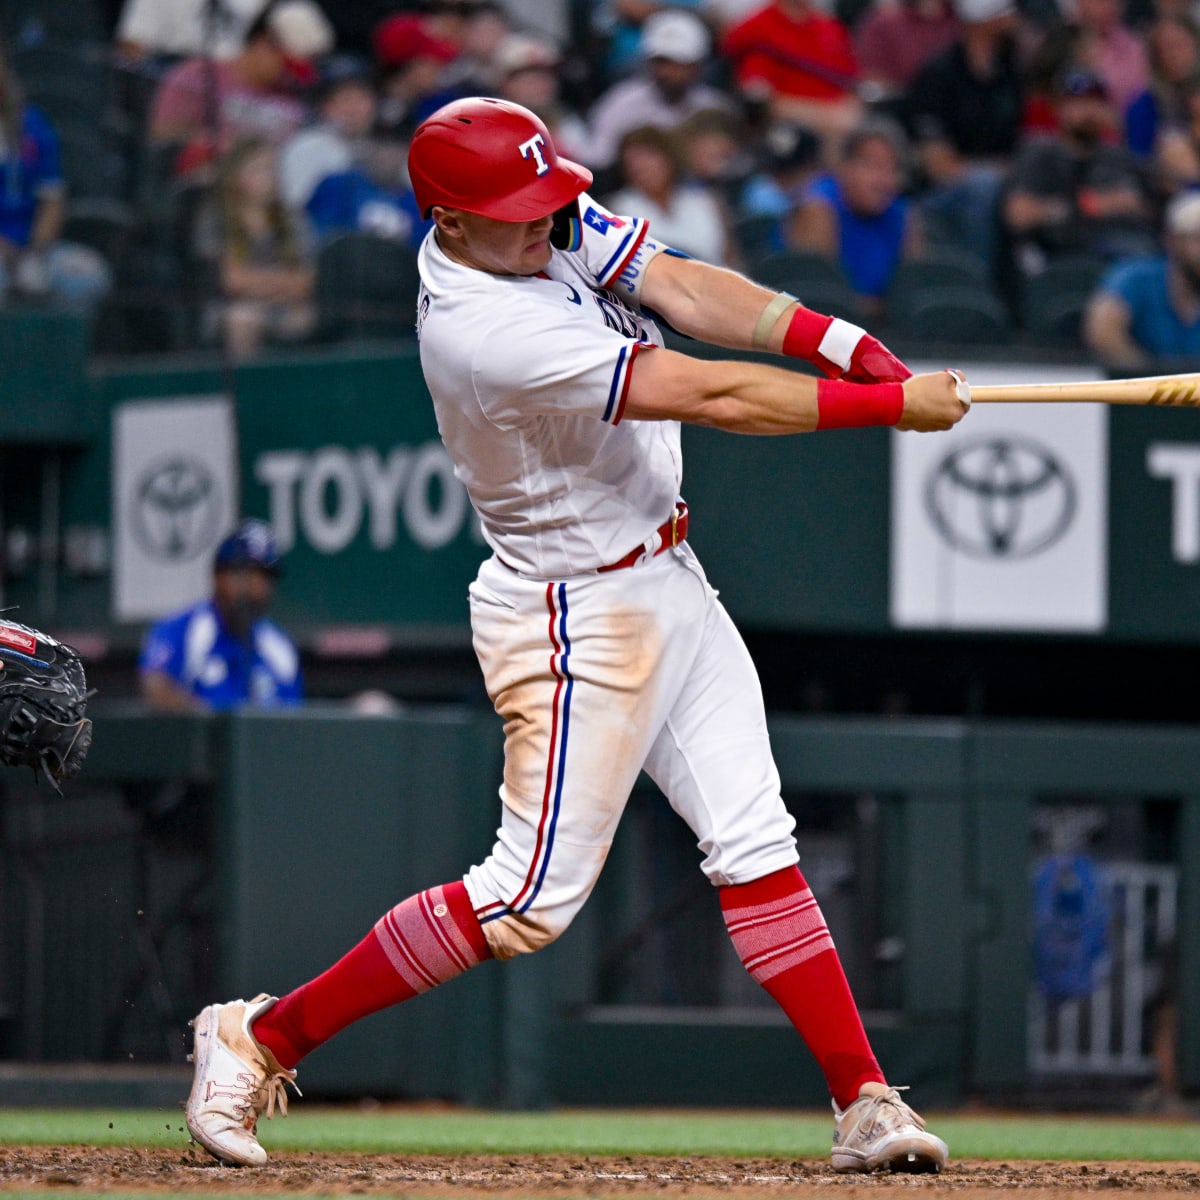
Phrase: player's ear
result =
(448, 221)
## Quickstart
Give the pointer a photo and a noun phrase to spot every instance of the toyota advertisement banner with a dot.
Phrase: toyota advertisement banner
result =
(1071, 519)
(175, 495)
(1002, 523)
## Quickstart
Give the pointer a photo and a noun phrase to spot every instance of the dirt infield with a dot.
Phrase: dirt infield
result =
(190, 1170)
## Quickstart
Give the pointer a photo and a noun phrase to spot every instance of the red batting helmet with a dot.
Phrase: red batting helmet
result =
(493, 158)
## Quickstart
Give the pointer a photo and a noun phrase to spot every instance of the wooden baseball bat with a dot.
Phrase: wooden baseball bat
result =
(1169, 391)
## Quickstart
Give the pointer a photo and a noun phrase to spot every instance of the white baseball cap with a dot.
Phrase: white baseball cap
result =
(1183, 214)
(523, 52)
(302, 28)
(974, 12)
(675, 35)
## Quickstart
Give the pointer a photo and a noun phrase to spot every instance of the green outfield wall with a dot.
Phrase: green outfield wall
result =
(205, 857)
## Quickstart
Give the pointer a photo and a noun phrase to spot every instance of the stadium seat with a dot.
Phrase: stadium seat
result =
(100, 222)
(91, 165)
(838, 299)
(1052, 302)
(366, 287)
(137, 323)
(33, 24)
(954, 314)
(1073, 272)
(758, 236)
(793, 270)
(1060, 320)
(59, 59)
(156, 304)
(941, 266)
(68, 98)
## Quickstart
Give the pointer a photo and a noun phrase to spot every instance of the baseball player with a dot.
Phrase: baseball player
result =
(603, 647)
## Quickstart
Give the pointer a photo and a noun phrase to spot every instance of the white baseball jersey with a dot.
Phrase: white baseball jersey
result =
(528, 376)
(597, 675)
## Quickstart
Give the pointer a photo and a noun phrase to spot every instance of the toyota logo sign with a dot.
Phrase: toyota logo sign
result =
(1000, 497)
(176, 509)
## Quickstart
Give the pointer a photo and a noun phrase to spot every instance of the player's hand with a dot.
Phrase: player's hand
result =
(933, 402)
(873, 362)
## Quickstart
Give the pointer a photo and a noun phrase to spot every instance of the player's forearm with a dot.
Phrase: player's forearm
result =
(755, 398)
(737, 397)
(711, 304)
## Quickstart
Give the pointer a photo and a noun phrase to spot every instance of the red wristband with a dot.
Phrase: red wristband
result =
(852, 405)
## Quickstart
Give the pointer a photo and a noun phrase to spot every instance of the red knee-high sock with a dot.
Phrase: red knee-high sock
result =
(425, 940)
(781, 937)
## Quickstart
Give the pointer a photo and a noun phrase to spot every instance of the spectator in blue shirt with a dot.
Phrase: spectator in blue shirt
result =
(772, 193)
(858, 214)
(1173, 43)
(1146, 311)
(373, 198)
(223, 652)
(33, 261)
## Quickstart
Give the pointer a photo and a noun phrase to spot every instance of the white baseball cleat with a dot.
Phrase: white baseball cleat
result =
(237, 1080)
(879, 1131)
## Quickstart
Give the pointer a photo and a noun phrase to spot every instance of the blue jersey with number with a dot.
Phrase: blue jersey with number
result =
(196, 650)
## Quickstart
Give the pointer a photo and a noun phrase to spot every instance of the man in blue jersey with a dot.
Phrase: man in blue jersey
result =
(224, 652)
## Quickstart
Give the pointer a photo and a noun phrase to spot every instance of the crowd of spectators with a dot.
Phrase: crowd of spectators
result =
(1025, 145)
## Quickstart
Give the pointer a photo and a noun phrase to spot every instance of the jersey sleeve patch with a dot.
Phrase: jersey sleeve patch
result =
(614, 249)
(623, 254)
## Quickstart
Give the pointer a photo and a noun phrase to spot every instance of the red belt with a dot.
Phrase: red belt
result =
(670, 533)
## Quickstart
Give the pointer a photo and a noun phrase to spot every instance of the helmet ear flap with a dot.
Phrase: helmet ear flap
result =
(567, 231)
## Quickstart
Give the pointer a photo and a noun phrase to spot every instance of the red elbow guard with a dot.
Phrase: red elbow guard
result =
(840, 349)
(826, 342)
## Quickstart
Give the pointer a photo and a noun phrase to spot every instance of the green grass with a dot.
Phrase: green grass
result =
(598, 1132)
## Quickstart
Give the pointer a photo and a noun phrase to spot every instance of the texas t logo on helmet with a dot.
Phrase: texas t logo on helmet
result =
(534, 147)
(475, 155)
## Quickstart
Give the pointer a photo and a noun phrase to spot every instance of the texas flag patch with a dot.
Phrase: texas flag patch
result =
(18, 639)
(602, 221)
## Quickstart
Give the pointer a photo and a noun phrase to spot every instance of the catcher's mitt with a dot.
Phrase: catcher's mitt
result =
(43, 697)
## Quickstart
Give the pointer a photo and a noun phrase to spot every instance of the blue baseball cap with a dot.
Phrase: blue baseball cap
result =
(251, 544)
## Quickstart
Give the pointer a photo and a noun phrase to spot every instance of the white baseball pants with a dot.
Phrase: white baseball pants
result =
(596, 677)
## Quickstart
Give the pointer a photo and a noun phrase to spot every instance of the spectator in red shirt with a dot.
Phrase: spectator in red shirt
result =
(1112, 50)
(802, 61)
(894, 41)
(249, 95)
(411, 57)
